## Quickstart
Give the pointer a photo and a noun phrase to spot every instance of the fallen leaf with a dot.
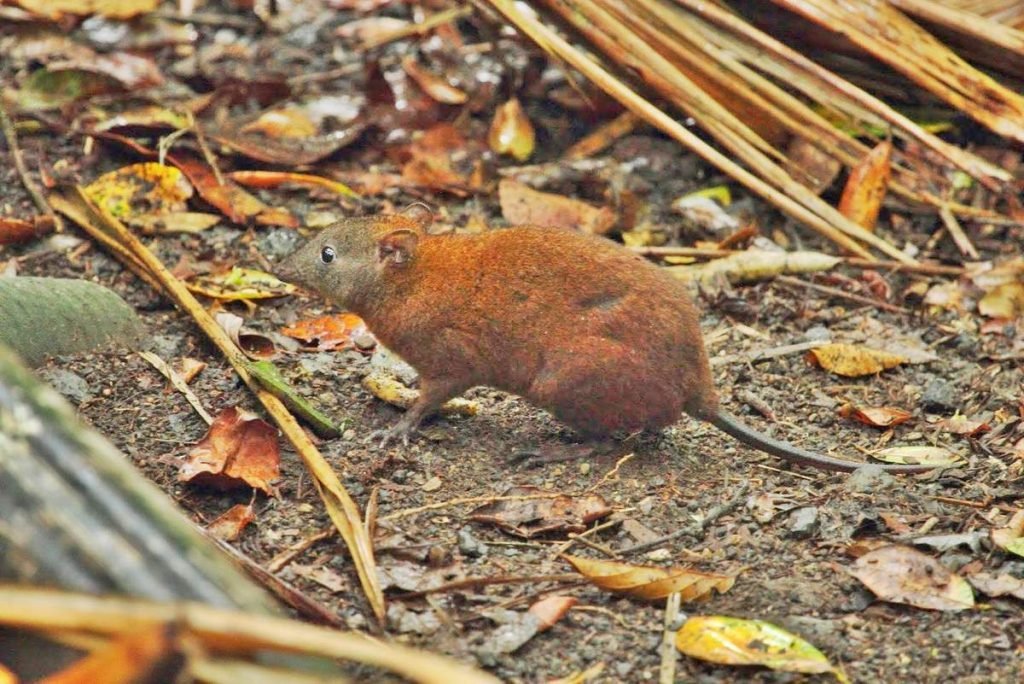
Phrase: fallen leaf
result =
(255, 345)
(997, 585)
(238, 450)
(326, 577)
(901, 574)
(876, 416)
(917, 455)
(145, 654)
(174, 222)
(390, 389)
(273, 179)
(650, 583)
(369, 29)
(866, 187)
(521, 204)
(755, 264)
(852, 360)
(115, 9)
(327, 333)
(1004, 301)
(511, 132)
(433, 85)
(550, 609)
(240, 283)
(148, 188)
(286, 122)
(1011, 537)
(189, 368)
(529, 517)
(230, 524)
(45, 89)
(962, 425)
(735, 641)
(442, 158)
(704, 213)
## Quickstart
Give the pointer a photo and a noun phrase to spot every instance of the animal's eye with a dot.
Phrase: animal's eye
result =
(327, 255)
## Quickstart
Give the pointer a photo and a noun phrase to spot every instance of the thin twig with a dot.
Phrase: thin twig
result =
(696, 528)
(470, 582)
(460, 502)
(11, 136)
(835, 292)
(612, 473)
(178, 382)
(283, 559)
(764, 354)
(667, 671)
(895, 266)
(431, 22)
(963, 243)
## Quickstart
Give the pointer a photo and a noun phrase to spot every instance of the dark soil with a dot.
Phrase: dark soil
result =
(794, 562)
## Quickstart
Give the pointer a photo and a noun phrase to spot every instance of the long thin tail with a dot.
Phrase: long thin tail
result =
(730, 424)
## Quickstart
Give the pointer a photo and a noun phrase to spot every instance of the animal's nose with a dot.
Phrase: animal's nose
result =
(286, 271)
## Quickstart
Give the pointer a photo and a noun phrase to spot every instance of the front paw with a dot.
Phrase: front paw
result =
(395, 433)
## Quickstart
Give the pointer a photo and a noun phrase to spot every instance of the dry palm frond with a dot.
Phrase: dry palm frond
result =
(761, 100)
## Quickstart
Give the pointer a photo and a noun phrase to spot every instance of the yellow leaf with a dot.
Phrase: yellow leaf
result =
(1004, 301)
(735, 641)
(866, 187)
(917, 455)
(511, 131)
(649, 582)
(146, 188)
(853, 361)
(241, 284)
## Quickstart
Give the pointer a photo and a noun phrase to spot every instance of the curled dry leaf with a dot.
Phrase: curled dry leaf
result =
(646, 582)
(735, 641)
(511, 131)
(901, 574)
(962, 425)
(327, 333)
(521, 204)
(273, 179)
(253, 344)
(238, 450)
(853, 361)
(433, 85)
(529, 517)
(755, 264)
(917, 455)
(443, 159)
(550, 609)
(876, 416)
(388, 388)
(997, 585)
(231, 523)
(1011, 537)
(867, 185)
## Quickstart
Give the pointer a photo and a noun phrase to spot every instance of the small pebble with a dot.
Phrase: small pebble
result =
(432, 485)
(584, 468)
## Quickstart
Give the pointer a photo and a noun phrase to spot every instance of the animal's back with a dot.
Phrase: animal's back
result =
(575, 323)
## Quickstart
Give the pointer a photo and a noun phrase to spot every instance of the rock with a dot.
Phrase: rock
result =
(804, 522)
(71, 385)
(940, 396)
(869, 478)
(317, 364)
(469, 545)
(278, 243)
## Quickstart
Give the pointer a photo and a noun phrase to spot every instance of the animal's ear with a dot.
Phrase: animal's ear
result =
(420, 213)
(397, 247)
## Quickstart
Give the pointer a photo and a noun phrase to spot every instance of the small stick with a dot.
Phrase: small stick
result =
(667, 672)
(611, 473)
(178, 382)
(922, 268)
(467, 500)
(431, 22)
(696, 528)
(600, 548)
(835, 292)
(960, 502)
(764, 354)
(329, 75)
(11, 135)
(470, 582)
(566, 545)
(283, 559)
(700, 252)
(603, 136)
(963, 243)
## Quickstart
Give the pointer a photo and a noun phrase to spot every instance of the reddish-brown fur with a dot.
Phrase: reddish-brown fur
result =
(598, 336)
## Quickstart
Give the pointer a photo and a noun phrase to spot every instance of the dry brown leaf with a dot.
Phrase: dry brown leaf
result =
(529, 517)
(1011, 537)
(867, 185)
(852, 360)
(1005, 301)
(901, 574)
(135, 657)
(327, 333)
(550, 609)
(997, 585)
(230, 524)
(433, 85)
(962, 425)
(650, 583)
(239, 449)
(917, 455)
(521, 204)
(876, 416)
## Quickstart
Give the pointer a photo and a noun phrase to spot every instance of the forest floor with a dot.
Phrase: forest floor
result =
(787, 531)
